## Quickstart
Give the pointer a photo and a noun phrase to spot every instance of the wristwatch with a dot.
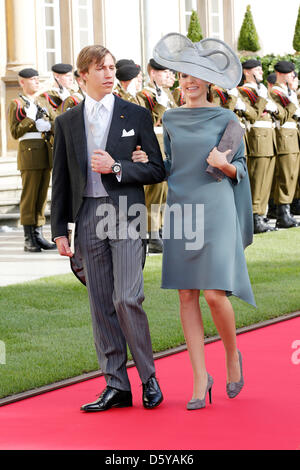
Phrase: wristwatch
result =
(116, 167)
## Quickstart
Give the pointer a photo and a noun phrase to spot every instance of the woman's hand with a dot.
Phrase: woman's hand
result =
(139, 155)
(218, 159)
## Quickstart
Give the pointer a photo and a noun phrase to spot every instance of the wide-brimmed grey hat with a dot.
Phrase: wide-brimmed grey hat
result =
(211, 59)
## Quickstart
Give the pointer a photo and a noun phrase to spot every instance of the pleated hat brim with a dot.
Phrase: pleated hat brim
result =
(210, 59)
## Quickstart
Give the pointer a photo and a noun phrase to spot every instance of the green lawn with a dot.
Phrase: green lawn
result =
(46, 325)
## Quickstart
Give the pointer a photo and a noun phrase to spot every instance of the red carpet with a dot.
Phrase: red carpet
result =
(266, 415)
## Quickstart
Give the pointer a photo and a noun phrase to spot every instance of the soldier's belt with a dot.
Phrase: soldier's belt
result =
(289, 125)
(265, 124)
(31, 135)
(158, 130)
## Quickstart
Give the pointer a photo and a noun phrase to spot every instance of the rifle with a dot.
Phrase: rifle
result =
(61, 88)
(257, 82)
(288, 88)
(158, 90)
(80, 91)
(41, 113)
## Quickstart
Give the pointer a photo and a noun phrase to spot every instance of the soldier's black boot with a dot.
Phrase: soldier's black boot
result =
(41, 241)
(284, 218)
(260, 226)
(295, 207)
(30, 241)
(155, 243)
(271, 209)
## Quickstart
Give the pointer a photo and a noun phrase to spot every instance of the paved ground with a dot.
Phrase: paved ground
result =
(19, 266)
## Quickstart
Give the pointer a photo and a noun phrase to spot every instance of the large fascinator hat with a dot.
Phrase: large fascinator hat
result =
(211, 59)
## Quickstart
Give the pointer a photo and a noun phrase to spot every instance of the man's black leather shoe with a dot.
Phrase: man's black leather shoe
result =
(109, 398)
(152, 395)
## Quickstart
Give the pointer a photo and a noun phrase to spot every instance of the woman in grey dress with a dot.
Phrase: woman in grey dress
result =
(208, 223)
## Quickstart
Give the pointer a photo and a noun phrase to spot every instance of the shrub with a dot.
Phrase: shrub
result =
(296, 40)
(248, 38)
(194, 31)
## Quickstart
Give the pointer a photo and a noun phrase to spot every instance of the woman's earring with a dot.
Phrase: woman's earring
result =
(209, 97)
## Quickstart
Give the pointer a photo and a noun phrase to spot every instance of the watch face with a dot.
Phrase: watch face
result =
(116, 168)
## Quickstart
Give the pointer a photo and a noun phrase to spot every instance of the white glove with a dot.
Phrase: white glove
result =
(294, 99)
(297, 113)
(162, 99)
(132, 87)
(64, 94)
(262, 91)
(42, 125)
(271, 106)
(31, 111)
(240, 105)
(233, 92)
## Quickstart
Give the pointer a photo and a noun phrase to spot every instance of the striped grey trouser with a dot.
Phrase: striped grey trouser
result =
(114, 277)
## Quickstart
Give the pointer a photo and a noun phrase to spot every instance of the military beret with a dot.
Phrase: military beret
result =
(62, 68)
(128, 72)
(283, 66)
(251, 63)
(156, 66)
(271, 78)
(28, 73)
(122, 62)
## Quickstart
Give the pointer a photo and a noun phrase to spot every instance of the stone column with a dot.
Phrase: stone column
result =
(67, 45)
(21, 35)
(228, 16)
(3, 140)
(203, 16)
(99, 22)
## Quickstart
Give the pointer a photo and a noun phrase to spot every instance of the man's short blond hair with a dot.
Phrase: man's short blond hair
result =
(90, 55)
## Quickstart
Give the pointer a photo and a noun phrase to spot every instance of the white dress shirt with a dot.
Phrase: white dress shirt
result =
(97, 120)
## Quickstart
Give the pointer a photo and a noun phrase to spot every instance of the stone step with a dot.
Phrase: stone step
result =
(8, 164)
(10, 190)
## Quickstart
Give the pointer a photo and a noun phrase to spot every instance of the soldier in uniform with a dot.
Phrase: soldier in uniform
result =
(178, 96)
(157, 97)
(32, 125)
(261, 142)
(232, 99)
(76, 97)
(271, 80)
(62, 87)
(295, 206)
(171, 78)
(129, 84)
(225, 98)
(287, 140)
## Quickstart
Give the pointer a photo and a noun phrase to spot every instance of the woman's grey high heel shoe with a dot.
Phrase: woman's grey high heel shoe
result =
(197, 403)
(234, 388)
